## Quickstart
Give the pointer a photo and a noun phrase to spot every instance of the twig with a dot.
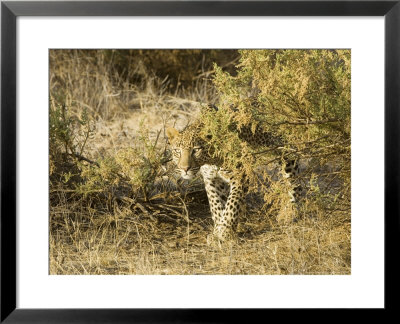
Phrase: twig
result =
(82, 158)
(207, 73)
(308, 122)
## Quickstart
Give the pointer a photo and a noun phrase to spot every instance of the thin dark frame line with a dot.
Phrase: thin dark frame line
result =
(203, 8)
(11, 10)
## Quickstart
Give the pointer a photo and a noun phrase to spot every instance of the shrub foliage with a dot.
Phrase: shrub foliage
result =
(300, 96)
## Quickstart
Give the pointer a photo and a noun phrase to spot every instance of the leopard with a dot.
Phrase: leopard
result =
(225, 188)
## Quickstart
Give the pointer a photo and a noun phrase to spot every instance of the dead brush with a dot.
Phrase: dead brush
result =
(111, 83)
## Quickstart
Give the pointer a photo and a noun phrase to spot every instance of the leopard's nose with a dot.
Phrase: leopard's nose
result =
(185, 169)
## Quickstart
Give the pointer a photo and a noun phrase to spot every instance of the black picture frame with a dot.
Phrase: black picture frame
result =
(11, 10)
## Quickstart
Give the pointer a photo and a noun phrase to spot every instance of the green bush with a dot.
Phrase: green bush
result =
(300, 96)
(68, 136)
(133, 168)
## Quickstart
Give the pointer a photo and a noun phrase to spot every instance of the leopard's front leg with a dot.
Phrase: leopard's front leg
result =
(290, 172)
(225, 194)
(225, 225)
(217, 190)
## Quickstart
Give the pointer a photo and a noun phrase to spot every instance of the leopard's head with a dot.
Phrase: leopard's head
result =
(188, 151)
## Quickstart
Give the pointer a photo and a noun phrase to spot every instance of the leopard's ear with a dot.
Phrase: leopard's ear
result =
(172, 133)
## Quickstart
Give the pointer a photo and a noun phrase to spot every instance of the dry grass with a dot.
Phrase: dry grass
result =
(168, 233)
(161, 238)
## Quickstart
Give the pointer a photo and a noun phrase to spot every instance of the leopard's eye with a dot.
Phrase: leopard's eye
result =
(196, 149)
(177, 151)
